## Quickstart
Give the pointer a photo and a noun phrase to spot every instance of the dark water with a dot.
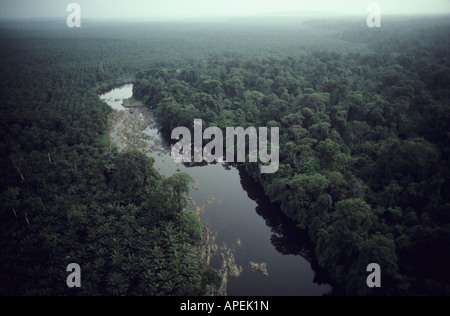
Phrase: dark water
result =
(249, 223)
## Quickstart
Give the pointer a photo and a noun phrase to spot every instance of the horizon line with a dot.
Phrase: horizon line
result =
(281, 14)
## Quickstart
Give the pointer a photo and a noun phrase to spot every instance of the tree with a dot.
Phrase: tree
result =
(332, 155)
(301, 191)
(381, 250)
(234, 87)
(9, 202)
(179, 183)
(355, 214)
(133, 171)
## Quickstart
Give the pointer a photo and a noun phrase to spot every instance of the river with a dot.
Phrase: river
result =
(246, 225)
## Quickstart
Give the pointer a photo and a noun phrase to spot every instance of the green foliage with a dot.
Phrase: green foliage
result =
(364, 150)
(364, 147)
(66, 197)
(133, 170)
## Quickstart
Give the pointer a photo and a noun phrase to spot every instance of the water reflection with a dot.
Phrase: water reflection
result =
(287, 238)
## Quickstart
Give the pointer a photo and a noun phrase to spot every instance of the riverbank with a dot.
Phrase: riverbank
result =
(134, 128)
(245, 237)
(126, 130)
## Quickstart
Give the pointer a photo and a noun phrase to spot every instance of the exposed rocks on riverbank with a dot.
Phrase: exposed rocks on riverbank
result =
(228, 268)
(208, 248)
(127, 130)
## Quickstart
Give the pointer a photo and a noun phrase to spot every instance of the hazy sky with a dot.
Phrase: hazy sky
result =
(209, 8)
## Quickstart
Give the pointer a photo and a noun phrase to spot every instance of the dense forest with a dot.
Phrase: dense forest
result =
(364, 148)
(67, 197)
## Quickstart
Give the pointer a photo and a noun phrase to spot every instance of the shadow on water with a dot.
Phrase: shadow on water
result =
(293, 269)
(286, 237)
